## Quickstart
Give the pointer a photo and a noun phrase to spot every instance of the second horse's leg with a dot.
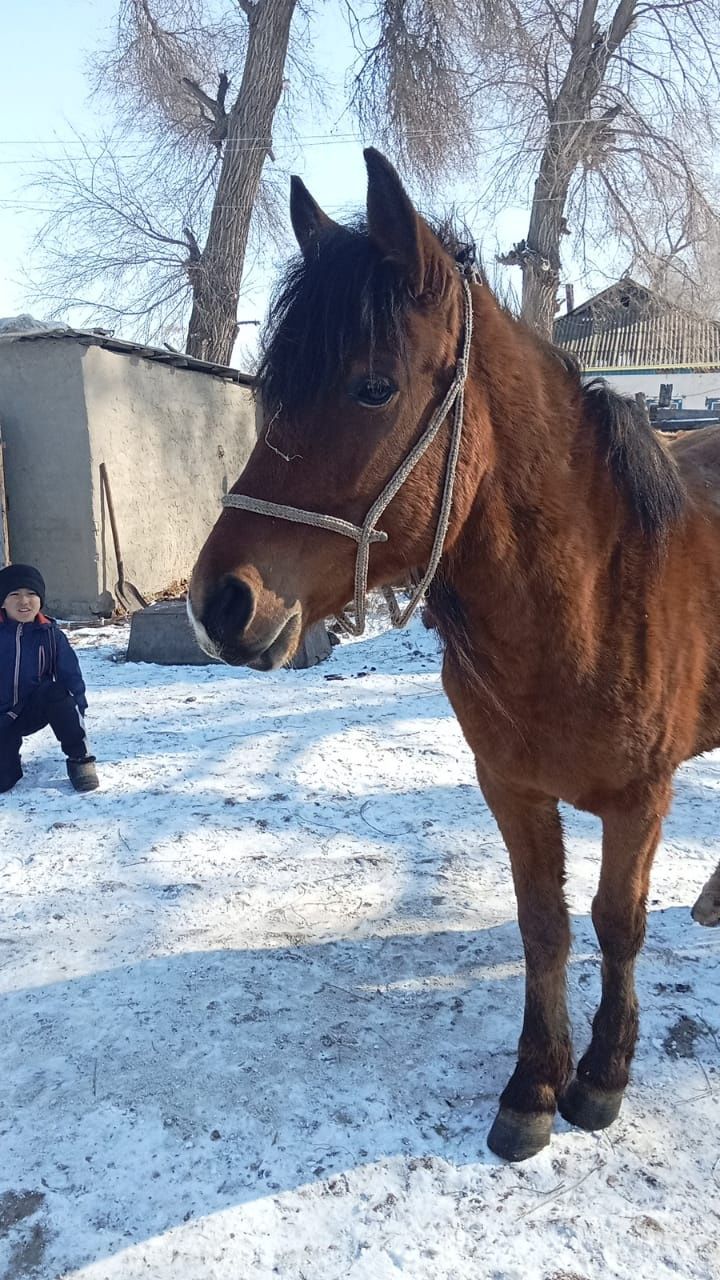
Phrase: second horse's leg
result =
(707, 908)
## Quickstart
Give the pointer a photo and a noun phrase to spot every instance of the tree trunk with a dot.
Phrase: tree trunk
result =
(539, 258)
(217, 275)
(573, 136)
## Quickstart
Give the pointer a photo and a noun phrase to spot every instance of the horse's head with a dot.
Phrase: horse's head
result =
(361, 348)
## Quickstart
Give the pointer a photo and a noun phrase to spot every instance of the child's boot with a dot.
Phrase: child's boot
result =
(83, 774)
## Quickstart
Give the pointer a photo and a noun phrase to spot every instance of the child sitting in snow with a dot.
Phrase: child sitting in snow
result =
(40, 681)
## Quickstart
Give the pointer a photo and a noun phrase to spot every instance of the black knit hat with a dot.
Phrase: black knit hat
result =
(16, 576)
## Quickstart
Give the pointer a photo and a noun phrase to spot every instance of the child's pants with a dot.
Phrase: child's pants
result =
(49, 704)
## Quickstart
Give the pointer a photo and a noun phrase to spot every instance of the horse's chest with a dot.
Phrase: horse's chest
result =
(555, 741)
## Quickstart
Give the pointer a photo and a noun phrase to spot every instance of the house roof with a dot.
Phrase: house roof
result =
(105, 338)
(628, 327)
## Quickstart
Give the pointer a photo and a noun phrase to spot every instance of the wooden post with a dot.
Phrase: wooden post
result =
(4, 530)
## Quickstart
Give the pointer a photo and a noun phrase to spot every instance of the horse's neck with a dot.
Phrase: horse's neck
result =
(540, 531)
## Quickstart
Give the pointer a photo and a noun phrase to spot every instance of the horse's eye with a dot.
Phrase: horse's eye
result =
(373, 392)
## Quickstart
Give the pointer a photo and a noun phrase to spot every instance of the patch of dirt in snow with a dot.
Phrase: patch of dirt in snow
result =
(259, 995)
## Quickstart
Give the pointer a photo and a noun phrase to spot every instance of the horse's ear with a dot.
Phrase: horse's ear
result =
(308, 220)
(397, 228)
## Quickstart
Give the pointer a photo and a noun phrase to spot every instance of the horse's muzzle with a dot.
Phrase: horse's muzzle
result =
(227, 627)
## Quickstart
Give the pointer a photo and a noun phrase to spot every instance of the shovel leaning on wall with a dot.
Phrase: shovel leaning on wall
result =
(126, 592)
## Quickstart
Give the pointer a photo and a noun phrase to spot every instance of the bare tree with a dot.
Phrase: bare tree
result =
(155, 221)
(602, 109)
(687, 272)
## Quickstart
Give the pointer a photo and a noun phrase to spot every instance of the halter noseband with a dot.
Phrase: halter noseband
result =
(366, 533)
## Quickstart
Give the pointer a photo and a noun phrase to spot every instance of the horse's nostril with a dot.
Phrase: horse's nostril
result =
(228, 611)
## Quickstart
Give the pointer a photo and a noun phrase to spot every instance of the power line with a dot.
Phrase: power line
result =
(22, 206)
(310, 139)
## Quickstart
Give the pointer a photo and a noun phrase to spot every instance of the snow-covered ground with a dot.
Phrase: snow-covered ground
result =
(260, 993)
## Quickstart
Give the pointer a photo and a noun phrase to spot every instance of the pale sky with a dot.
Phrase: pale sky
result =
(44, 98)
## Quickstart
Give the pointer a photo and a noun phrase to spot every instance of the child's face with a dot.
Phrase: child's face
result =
(22, 605)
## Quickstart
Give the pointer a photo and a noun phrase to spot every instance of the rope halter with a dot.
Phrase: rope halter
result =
(366, 533)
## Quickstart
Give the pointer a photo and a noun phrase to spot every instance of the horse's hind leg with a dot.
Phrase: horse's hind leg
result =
(707, 908)
(533, 835)
(630, 838)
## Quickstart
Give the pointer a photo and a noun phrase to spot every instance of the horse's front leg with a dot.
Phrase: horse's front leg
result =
(707, 908)
(631, 832)
(533, 834)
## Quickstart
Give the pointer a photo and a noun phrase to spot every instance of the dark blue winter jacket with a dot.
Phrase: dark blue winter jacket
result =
(31, 654)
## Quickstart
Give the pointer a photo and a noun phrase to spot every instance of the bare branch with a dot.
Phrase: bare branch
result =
(199, 94)
(601, 108)
(195, 253)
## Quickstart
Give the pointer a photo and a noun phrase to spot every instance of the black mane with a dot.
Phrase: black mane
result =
(640, 466)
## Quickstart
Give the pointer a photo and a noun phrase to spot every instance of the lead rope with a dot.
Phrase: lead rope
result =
(366, 534)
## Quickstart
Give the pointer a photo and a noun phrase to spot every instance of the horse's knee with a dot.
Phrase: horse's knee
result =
(620, 931)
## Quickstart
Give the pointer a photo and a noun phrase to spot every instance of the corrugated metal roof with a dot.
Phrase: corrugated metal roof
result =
(103, 338)
(628, 327)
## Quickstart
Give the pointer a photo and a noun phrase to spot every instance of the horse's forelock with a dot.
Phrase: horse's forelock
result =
(343, 298)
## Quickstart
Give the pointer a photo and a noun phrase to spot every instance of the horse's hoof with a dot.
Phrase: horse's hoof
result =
(517, 1135)
(589, 1108)
(707, 908)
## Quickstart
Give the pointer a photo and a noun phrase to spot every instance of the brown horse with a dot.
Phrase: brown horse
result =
(578, 593)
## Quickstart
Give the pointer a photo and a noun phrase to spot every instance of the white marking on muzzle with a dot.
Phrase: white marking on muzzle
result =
(201, 634)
